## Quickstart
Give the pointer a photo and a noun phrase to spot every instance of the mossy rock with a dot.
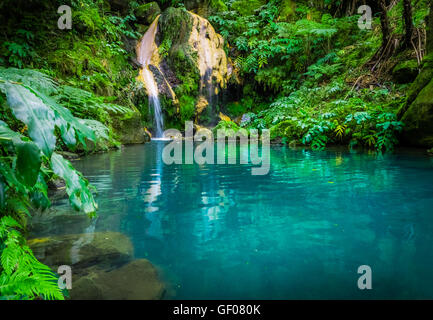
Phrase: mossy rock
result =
(420, 82)
(247, 7)
(418, 119)
(174, 27)
(286, 129)
(147, 13)
(405, 71)
(80, 251)
(137, 280)
(128, 128)
(174, 24)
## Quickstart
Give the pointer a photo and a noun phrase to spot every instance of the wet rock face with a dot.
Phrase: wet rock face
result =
(429, 22)
(137, 280)
(189, 63)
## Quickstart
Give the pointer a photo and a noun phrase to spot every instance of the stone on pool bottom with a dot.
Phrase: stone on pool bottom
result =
(103, 267)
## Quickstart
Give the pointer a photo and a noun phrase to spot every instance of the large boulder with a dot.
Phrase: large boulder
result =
(128, 128)
(80, 251)
(137, 280)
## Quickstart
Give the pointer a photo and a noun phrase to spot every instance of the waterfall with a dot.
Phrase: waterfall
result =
(145, 51)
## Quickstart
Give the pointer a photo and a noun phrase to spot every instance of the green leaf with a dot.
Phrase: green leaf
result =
(77, 187)
(28, 162)
(10, 178)
(67, 123)
(34, 113)
(8, 134)
(2, 193)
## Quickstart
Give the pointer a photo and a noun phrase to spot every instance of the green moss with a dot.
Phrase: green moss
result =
(420, 82)
(418, 119)
(285, 129)
(218, 5)
(405, 71)
(175, 26)
(247, 7)
(147, 13)
(187, 108)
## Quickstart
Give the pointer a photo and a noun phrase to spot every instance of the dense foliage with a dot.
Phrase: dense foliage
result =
(304, 71)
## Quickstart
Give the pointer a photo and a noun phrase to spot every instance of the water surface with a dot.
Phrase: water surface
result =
(301, 232)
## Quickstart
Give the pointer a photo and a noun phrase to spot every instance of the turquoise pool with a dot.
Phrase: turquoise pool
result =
(300, 232)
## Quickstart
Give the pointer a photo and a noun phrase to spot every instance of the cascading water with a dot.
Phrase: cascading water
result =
(147, 49)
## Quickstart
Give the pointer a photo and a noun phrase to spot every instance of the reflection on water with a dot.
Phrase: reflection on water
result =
(302, 231)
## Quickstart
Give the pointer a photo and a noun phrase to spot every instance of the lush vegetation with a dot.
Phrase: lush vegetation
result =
(303, 69)
(58, 92)
(306, 71)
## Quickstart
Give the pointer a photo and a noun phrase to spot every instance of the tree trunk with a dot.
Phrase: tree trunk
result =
(408, 23)
(384, 22)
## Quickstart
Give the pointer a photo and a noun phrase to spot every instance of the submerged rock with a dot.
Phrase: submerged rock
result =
(137, 280)
(52, 224)
(80, 251)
